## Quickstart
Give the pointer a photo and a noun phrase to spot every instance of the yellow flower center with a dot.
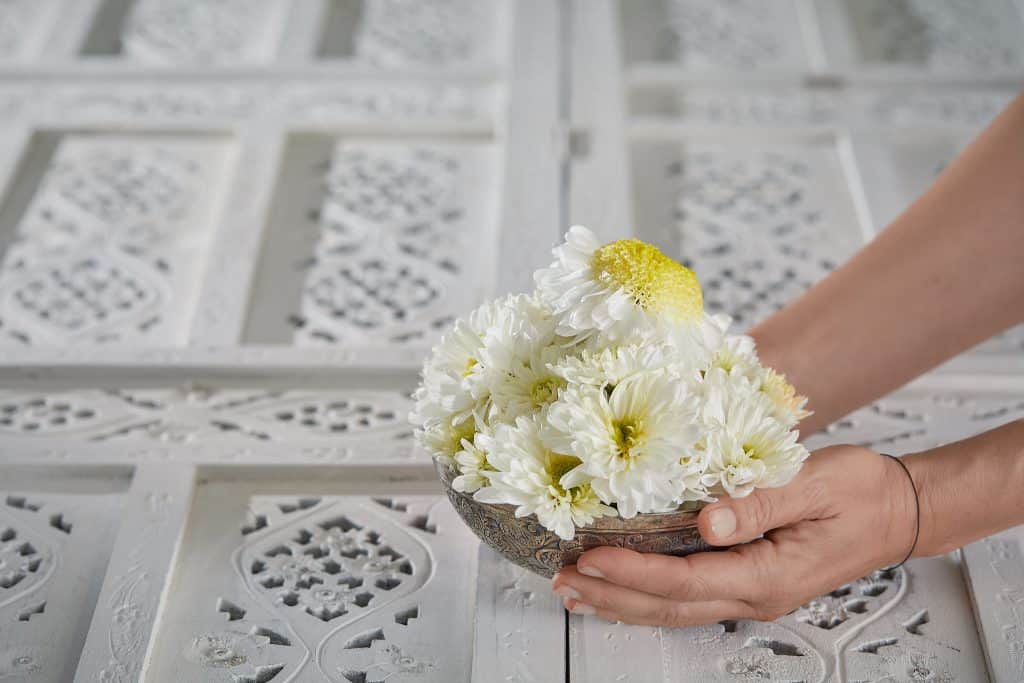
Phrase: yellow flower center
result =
(627, 434)
(470, 364)
(466, 430)
(656, 282)
(557, 465)
(545, 391)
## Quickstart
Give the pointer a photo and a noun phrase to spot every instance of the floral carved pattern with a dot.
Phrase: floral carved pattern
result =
(390, 227)
(190, 31)
(112, 232)
(402, 33)
(733, 33)
(331, 588)
(754, 228)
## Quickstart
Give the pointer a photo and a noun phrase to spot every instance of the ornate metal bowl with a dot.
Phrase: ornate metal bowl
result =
(524, 541)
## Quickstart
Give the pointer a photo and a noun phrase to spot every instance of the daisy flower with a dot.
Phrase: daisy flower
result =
(621, 290)
(746, 445)
(613, 365)
(532, 477)
(526, 386)
(630, 440)
(788, 406)
(471, 462)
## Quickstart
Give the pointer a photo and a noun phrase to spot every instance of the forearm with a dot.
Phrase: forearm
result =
(969, 489)
(944, 276)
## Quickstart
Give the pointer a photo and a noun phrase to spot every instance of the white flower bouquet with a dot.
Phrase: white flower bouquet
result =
(607, 391)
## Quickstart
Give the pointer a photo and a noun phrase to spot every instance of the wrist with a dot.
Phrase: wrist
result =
(904, 512)
(932, 538)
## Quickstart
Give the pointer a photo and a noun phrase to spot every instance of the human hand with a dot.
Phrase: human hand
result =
(848, 512)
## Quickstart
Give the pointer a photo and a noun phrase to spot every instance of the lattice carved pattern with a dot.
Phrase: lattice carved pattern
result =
(405, 33)
(340, 584)
(754, 227)
(114, 231)
(195, 413)
(391, 226)
(199, 31)
(739, 34)
(944, 35)
(908, 424)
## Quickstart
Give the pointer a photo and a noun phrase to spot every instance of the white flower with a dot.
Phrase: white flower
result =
(532, 477)
(631, 440)
(736, 355)
(621, 290)
(746, 445)
(788, 406)
(613, 365)
(443, 440)
(525, 386)
(472, 462)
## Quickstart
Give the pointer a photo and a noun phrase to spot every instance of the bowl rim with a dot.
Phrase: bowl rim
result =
(644, 522)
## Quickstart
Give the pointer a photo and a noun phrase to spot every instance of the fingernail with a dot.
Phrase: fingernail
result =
(723, 522)
(583, 609)
(567, 593)
(590, 571)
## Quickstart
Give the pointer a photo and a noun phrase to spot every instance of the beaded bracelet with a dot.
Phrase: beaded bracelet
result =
(917, 509)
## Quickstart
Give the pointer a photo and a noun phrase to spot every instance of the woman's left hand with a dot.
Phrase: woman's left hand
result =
(848, 512)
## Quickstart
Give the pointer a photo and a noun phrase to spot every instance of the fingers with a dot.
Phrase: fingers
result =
(739, 520)
(741, 573)
(585, 595)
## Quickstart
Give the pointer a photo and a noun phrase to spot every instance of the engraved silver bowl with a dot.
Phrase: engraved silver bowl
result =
(524, 541)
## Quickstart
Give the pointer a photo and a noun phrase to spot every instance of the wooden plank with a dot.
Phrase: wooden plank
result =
(520, 624)
(130, 601)
(995, 570)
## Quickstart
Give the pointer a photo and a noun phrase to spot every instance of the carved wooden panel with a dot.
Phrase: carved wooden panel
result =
(110, 248)
(758, 223)
(195, 413)
(54, 547)
(342, 588)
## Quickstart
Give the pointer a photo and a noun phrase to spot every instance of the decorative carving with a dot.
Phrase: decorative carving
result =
(387, 101)
(405, 33)
(903, 424)
(386, 262)
(941, 35)
(199, 31)
(109, 243)
(737, 34)
(967, 109)
(755, 227)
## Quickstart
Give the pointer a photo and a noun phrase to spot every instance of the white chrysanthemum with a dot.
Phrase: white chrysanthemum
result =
(471, 462)
(532, 477)
(443, 440)
(737, 356)
(621, 290)
(630, 440)
(613, 365)
(788, 406)
(452, 381)
(746, 445)
(526, 386)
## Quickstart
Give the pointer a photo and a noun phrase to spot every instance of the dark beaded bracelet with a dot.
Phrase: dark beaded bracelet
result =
(917, 510)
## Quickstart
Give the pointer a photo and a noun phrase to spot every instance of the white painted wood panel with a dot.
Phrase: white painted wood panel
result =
(56, 534)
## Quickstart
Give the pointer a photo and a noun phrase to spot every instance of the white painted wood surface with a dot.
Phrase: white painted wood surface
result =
(244, 229)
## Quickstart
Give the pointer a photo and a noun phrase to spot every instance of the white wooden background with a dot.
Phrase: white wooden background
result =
(230, 229)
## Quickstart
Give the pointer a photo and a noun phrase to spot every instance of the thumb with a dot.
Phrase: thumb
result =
(739, 520)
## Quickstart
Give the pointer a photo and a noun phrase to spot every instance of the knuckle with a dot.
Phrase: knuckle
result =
(669, 614)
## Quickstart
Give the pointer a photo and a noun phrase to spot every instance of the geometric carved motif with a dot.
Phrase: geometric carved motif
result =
(405, 33)
(905, 423)
(194, 413)
(738, 34)
(200, 31)
(391, 225)
(111, 243)
(328, 589)
(941, 35)
(755, 227)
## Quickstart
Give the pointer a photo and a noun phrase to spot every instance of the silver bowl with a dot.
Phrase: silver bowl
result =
(524, 541)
